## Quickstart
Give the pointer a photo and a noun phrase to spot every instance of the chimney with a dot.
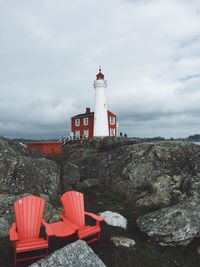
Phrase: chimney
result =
(87, 110)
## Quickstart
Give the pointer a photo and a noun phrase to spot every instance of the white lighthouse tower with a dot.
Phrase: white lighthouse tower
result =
(100, 110)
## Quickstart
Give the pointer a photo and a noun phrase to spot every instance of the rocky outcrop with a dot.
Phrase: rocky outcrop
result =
(172, 226)
(84, 148)
(70, 176)
(150, 175)
(21, 173)
(74, 255)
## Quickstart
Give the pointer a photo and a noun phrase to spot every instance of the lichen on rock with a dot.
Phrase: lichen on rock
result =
(172, 226)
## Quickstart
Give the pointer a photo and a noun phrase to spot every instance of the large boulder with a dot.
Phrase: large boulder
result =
(74, 255)
(152, 176)
(172, 226)
(22, 173)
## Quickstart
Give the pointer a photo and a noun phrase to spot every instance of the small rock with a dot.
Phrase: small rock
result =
(177, 178)
(123, 241)
(89, 183)
(114, 219)
(198, 251)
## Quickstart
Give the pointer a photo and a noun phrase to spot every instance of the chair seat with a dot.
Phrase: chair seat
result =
(88, 230)
(31, 244)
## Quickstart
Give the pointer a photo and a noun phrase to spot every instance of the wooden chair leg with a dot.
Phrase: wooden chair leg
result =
(15, 260)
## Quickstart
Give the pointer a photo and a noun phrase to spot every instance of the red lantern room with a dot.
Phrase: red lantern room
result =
(100, 75)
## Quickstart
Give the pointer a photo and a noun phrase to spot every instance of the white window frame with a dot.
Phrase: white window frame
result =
(112, 120)
(77, 134)
(112, 131)
(86, 133)
(77, 122)
(85, 120)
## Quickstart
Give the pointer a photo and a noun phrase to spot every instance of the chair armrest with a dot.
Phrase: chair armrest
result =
(94, 216)
(49, 231)
(13, 233)
(70, 224)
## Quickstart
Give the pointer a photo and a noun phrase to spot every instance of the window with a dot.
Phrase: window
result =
(77, 122)
(86, 133)
(112, 131)
(77, 134)
(112, 120)
(85, 121)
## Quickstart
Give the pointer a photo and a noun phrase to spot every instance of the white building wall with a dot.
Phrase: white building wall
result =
(100, 110)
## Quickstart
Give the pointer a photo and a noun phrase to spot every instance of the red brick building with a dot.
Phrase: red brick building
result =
(82, 125)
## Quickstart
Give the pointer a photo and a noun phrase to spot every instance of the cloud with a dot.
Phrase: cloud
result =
(50, 52)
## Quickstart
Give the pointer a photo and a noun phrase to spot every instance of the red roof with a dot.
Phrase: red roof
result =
(88, 114)
(84, 115)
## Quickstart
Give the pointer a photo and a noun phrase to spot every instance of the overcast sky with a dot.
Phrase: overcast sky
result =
(50, 51)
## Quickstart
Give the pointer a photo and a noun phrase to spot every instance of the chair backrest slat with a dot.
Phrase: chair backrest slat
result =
(73, 203)
(28, 212)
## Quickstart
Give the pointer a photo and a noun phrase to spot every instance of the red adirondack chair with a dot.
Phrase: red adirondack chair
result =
(74, 216)
(24, 233)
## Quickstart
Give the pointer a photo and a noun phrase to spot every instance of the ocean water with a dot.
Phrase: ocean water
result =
(196, 143)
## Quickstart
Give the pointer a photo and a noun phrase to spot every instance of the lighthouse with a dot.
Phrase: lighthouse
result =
(100, 110)
(99, 123)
